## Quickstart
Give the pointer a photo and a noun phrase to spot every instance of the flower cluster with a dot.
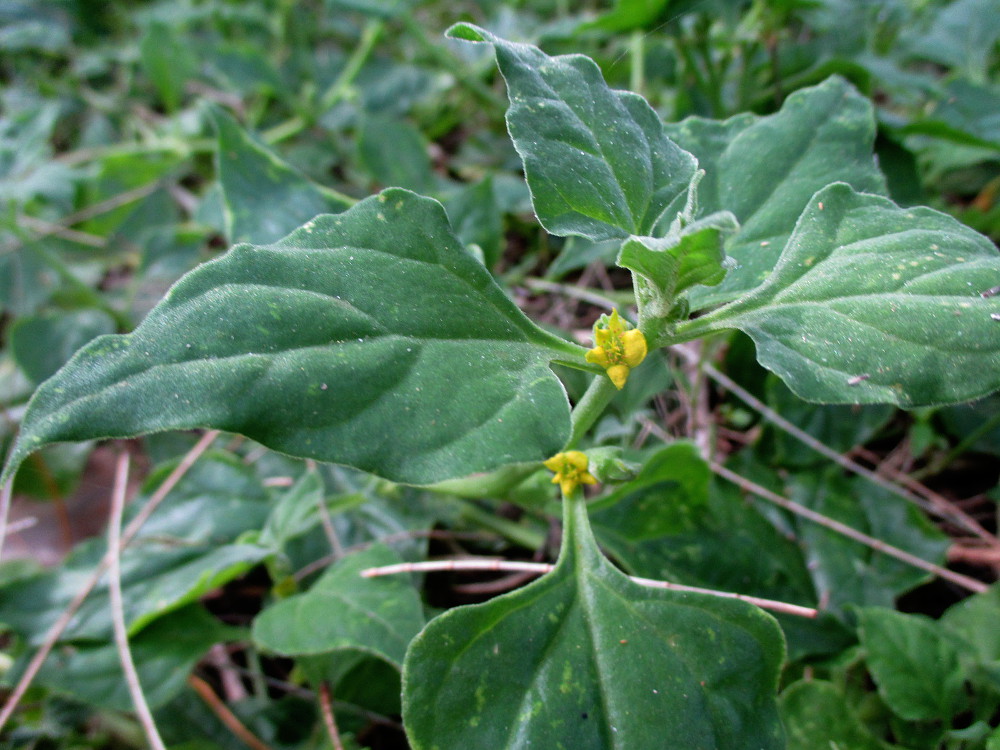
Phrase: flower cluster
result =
(618, 350)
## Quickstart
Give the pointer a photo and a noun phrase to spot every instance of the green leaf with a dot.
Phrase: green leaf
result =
(164, 655)
(663, 499)
(394, 153)
(871, 303)
(168, 61)
(343, 611)
(668, 524)
(584, 658)
(370, 339)
(627, 15)
(265, 198)
(974, 620)
(848, 572)
(816, 715)
(41, 344)
(474, 213)
(915, 666)
(765, 170)
(597, 160)
(837, 426)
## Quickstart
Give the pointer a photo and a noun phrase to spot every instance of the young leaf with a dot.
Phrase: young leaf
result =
(597, 160)
(677, 262)
(343, 611)
(765, 169)
(370, 339)
(265, 198)
(585, 658)
(872, 303)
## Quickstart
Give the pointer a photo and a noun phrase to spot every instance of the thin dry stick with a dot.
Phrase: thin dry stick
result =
(876, 544)
(492, 565)
(142, 711)
(226, 716)
(61, 624)
(935, 504)
(329, 720)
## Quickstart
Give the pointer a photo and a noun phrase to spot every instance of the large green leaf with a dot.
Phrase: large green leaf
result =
(343, 611)
(265, 198)
(871, 303)
(584, 658)
(370, 338)
(597, 160)
(765, 170)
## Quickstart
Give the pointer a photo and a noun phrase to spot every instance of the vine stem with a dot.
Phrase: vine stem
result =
(499, 565)
(60, 625)
(142, 711)
(876, 544)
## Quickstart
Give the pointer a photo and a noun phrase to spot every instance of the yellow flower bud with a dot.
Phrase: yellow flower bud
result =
(618, 350)
(571, 471)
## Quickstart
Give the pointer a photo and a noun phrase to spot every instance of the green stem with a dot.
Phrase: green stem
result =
(340, 87)
(637, 53)
(590, 407)
(578, 541)
(514, 532)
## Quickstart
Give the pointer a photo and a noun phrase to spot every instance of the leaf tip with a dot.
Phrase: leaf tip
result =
(467, 32)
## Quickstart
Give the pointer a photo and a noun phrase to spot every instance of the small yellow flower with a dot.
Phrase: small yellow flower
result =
(617, 350)
(571, 471)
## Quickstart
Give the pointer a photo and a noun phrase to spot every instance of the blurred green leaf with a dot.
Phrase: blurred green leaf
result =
(168, 62)
(41, 344)
(915, 666)
(394, 153)
(265, 198)
(184, 550)
(816, 715)
(164, 654)
(848, 572)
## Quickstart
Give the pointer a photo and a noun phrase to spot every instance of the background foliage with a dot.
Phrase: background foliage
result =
(138, 140)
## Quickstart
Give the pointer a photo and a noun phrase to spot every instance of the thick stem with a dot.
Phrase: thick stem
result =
(590, 407)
